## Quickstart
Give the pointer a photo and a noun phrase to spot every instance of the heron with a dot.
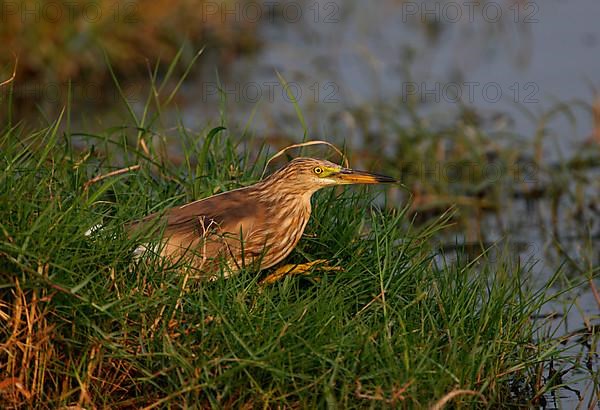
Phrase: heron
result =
(256, 226)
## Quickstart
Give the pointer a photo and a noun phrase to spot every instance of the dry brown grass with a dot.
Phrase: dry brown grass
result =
(37, 371)
(27, 350)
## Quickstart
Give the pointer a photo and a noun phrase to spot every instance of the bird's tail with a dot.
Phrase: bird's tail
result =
(138, 252)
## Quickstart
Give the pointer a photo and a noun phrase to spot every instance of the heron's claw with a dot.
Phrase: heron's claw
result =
(298, 269)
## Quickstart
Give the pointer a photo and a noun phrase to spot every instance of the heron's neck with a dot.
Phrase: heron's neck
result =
(282, 193)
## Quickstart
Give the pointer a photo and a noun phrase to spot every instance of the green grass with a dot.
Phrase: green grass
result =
(397, 326)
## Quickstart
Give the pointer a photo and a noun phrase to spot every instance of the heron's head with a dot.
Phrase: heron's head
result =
(308, 175)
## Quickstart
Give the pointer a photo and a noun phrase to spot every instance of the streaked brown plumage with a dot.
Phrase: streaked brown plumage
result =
(255, 226)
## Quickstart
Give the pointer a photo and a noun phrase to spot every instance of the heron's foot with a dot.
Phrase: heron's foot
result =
(298, 269)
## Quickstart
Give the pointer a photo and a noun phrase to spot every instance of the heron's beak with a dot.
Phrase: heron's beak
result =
(350, 176)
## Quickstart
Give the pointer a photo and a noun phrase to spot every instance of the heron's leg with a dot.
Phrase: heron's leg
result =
(298, 269)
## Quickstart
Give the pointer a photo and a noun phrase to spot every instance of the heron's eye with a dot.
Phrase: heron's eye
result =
(318, 170)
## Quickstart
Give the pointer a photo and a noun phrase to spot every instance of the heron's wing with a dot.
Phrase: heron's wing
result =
(225, 220)
(228, 213)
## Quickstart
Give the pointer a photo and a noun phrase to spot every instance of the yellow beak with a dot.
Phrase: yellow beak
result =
(350, 176)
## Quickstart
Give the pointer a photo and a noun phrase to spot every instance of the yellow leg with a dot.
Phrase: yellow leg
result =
(298, 269)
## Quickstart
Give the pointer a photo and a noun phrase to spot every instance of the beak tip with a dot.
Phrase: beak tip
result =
(385, 179)
(362, 177)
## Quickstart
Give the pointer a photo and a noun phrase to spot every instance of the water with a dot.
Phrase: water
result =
(341, 55)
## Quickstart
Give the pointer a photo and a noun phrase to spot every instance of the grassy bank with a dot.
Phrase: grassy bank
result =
(396, 326)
